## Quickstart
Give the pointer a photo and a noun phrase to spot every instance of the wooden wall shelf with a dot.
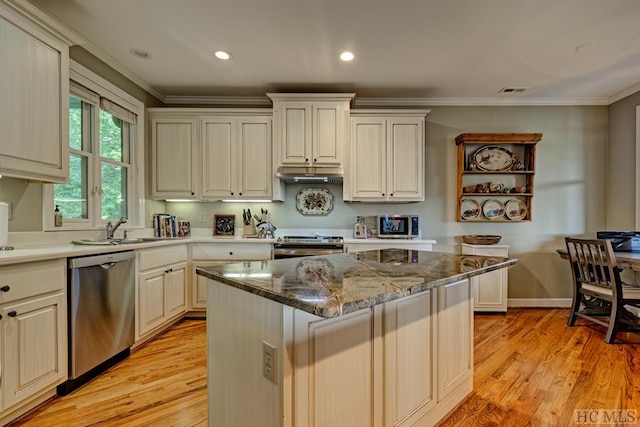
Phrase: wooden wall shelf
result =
(495, 160)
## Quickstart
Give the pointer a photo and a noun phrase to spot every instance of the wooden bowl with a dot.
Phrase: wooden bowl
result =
(481, 239)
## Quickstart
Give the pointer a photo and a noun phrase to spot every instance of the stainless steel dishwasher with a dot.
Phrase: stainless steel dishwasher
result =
(101, 304)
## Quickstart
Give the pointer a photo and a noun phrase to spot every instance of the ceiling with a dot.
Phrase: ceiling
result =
(435, 52)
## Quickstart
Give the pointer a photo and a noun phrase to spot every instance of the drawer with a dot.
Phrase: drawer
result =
(488, 251)
(231, 251)
(32, 278)
(157, 257)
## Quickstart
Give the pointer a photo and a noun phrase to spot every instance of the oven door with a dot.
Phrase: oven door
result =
(296, 252)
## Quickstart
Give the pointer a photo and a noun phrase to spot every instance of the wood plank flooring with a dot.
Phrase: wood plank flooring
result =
(531, 370)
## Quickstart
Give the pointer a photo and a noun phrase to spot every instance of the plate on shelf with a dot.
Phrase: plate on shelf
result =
(469, 209)
(493, 158)
(493, 209)
(516, 209)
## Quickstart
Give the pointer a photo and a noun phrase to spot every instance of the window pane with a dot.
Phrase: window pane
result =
(72, 197)
(75, 123)
(111, 131)
(114, 191)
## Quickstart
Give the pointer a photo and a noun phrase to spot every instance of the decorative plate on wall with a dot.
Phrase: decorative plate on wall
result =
(493, 209)
(469, 209)
(516, 210)
(493, 158)
(314, 201)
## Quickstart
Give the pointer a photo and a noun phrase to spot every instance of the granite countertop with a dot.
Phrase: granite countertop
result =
(334, 285)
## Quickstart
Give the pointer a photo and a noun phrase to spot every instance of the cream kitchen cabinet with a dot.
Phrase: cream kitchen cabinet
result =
(489, 289)
(386, 157)
(174, 156)
(34, 112)
(236, 157)
(209, 254)
(310, 129)
(162, 282)
(33, 334)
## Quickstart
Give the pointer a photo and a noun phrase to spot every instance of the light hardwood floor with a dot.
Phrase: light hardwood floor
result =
(531, 370)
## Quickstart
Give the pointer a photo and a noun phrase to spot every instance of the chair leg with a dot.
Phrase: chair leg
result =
(614, 321)
(575, 307)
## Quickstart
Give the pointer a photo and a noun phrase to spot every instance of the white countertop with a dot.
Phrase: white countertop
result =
(32, 251)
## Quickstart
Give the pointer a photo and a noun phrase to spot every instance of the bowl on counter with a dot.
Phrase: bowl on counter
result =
(481, 239)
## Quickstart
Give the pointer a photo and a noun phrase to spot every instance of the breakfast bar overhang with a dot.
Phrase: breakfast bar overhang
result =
(375, 338)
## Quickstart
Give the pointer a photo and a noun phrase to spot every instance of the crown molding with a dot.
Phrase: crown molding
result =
(47, 21)
(471, 102)
(624, 93)
(218, 100)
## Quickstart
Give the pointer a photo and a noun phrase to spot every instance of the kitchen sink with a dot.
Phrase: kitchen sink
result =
(109, 242)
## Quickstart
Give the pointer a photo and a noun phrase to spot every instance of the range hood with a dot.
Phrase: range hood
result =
(309, 175)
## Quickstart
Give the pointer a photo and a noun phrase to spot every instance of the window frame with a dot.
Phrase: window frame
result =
(135, 175)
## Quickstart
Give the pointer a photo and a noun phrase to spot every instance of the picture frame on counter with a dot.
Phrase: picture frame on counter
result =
(224, 225)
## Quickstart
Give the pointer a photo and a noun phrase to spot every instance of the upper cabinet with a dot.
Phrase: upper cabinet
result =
(310, 129)
(34, 112)
(495, 176)
(174, 159)
(211, 154)
(236, 155)
(386, 152)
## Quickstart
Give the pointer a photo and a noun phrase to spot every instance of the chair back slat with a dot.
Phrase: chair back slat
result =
(593, 262)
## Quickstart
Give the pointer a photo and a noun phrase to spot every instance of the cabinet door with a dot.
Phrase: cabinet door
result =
(405, 159)
(255, 176)
(175, 290)
(409, 358)
(455, 337)
(368, 158)
(295, 129)
(151, 300)
(328, 133)
(199, 285)
(34, 112)
(219, 157)
(34, 355)
(173, 147)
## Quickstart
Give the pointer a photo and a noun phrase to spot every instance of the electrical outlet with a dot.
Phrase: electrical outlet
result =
(270, 362)
(9, 209)
(203, 217)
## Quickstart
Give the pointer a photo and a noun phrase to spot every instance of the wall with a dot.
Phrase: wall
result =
(569, 191)
(621, 170)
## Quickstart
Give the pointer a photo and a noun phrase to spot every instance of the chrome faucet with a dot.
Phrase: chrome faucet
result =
(112, 228)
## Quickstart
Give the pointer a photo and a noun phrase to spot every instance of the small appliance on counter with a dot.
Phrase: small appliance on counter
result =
(360, 228)
(397, 226)
(622, 241)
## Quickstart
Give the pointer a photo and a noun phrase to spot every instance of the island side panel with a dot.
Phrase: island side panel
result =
(238, 323)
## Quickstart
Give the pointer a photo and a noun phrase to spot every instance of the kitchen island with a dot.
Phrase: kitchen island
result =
(375, 338)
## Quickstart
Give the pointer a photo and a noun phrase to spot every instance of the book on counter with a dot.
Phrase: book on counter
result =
(165, 225)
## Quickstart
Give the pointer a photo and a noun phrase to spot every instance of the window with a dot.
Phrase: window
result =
(104, 155)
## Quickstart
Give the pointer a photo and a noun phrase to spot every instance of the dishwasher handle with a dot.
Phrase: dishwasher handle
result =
(108, 265)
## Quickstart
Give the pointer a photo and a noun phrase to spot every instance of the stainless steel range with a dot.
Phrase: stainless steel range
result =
(299, 246)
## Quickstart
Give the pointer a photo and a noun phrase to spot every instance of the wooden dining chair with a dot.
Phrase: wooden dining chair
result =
(596, 275)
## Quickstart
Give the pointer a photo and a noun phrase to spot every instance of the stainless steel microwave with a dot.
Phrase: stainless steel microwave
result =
(397, 226)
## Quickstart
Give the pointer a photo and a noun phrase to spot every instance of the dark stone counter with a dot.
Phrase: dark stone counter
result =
(334, 285)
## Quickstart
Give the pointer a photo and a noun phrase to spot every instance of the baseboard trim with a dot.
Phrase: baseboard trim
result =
(539, 302)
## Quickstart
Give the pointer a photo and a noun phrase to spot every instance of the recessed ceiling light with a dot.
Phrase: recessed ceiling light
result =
(347, 56)
(222, 54)
(140, 53)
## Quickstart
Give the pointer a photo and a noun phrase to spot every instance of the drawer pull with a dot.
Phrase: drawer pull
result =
(169, 270)
(12, 313)
(5, 288)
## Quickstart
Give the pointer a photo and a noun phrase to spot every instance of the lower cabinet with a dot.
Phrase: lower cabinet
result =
(162, 281)
(408, 362)
(371, 245)
(210, 254)
(489, 289)
(33, 333)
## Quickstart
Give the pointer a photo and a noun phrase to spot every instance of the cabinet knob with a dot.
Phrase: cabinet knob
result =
(12, 313)
(306, 160)
(0, 316)
(382, 194)
(230, 253)
(391, 194)
(169, 270)
(315, 160)
(5, 288)
(193, 194)
(232, 193)
(239, 194)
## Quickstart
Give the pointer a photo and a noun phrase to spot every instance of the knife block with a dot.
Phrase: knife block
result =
(249, 230)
